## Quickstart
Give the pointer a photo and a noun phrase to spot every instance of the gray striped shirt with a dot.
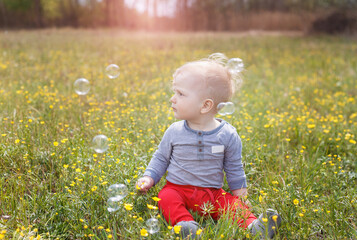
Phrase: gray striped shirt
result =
(198, 158)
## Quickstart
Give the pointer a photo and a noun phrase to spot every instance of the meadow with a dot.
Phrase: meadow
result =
(296, 114)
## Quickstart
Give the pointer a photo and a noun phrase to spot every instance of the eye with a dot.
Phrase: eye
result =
(179, 93)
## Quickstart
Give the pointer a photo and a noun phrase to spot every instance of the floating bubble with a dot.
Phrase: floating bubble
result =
(100, 143)
(81, 86)
(112, 71)
(219, 57)
(235, 65)
(225, 108)
(113, 204)
(117, 191)
(152, 225)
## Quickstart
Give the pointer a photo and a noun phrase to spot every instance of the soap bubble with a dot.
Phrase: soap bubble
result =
(218, 57)
(100, 143)
(117, 191)
(225, 108)
(235, 65)
(81, 86)
(153, 225)
(113, 204)
(112, 71)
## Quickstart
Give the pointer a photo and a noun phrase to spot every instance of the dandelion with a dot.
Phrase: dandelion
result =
(296, 202)
(110, 236)
(352, 141)
(151, 207)
(128, 206)
(55, 144)
(156, 199)
(199, 231)
(144, 232)
(265, 219)
(301, 214)
(177, 229)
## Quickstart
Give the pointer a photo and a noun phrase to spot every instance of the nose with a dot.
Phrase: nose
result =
(173, 99)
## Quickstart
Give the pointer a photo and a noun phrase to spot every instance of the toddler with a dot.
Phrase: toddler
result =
(196, 150)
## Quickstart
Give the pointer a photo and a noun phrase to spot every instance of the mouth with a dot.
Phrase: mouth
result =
(174, 109)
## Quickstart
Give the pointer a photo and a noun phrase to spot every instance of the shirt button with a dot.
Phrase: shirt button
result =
(199, 142)
(199, 133)
(200, 150)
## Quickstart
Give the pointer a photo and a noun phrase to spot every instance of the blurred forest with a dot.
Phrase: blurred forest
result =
(187, 15)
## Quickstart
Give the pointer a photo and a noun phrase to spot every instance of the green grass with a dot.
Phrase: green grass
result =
(296, 114)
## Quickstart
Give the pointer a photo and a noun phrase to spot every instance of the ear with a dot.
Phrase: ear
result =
(206, 106)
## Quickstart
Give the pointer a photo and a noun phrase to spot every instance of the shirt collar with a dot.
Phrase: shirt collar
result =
(206, 132)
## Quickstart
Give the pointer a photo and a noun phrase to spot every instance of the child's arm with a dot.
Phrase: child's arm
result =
(158, 164)
(233, 166)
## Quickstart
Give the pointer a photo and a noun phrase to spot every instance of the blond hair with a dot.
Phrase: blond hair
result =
(219, 83)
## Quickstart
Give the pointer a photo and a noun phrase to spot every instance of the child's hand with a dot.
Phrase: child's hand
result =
(242, 194)
(144, 184)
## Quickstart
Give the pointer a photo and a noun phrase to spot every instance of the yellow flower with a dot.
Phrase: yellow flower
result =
(275, 218)
(65, 165)
(110, 236)
(94, 188)
(156, 199)
(265, 219)
(100, 228)
(151, 206)
(2, 236)
(296, 202)
(17, 140)
(199, 231)
(169, 227)
(311, 126)
(352, 141)
(55, 144)
(128, 206)
(260, 198)
(177, 229)
(143, 232)
(301, 214)
(78, 170)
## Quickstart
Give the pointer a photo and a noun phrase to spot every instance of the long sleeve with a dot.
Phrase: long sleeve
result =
(233, 164)
(161, 158)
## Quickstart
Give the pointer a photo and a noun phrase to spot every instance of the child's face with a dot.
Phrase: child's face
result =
(188, 97)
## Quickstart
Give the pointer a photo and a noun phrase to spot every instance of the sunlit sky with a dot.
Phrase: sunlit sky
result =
(164, 7)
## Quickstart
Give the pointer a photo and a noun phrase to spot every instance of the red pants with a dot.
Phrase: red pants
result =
(176, 200)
